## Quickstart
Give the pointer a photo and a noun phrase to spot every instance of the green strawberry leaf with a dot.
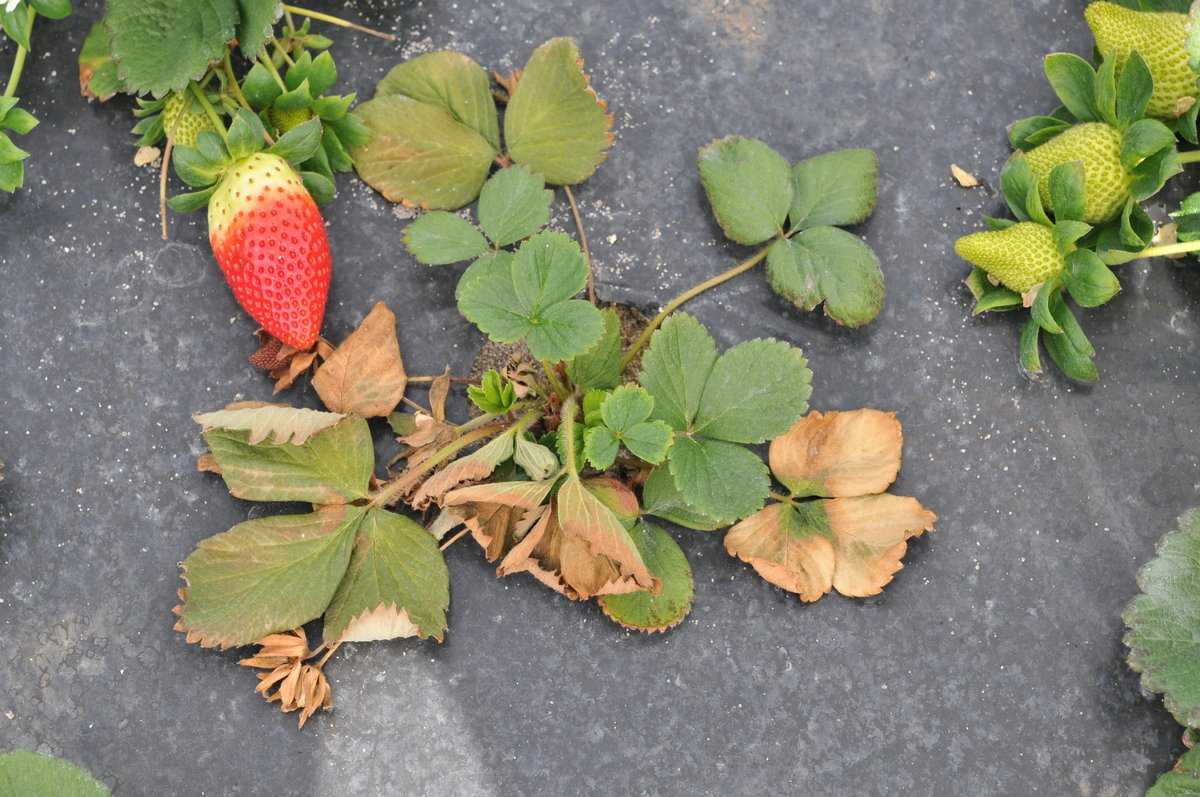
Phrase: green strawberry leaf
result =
(439, 238)
(537, 460)
(1066, 191)
(1105, 91)
(994, 224)
(661, 498)
(259, 88)
(1162, 622)
(600, 447)
(675, 368)
(529, 297)
(52, 9)
(755, 391)
(319, 186)
(1025, 134)
(835, 189)
(1182, 781)
(1185, 125)
(332, 466)
(989, 297)
(26, 773)
(494, 394)
(419, 154)
(1153, 173)
(245, 136)
(554, 123)
(97, 69)
(513, 205)
(255, 28)
(749, 186)
(718, 478)
(1134, 89)
(160, 46)
(830, 265)
(1074, 81)
(396, 584)
(1090, 282)
(600, 366)
(189, 202)
(645, 611)
(625, 414)
(265, 575)
(450, 81)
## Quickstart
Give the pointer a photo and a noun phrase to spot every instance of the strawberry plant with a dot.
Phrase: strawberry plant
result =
(17, 20)
(587, 430)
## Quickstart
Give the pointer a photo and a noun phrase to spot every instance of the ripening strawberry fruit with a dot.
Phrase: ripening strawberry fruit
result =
(1160, 37)
(1019, 258)
(1106, 183)
(183, 119)
(269, 239)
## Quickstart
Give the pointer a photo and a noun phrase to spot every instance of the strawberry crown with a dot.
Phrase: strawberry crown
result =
(1112, 96)
(1086, 278)
(203, 166)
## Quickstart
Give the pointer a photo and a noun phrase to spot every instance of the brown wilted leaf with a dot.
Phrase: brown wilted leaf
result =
(498, 514)
(365, 375)
(146, 156)
(871, 536)
(963, 177)
(584, 517)
(474, 467)
(279, 422)
(785, 552)
(438, 391)
(839, 454)
(207, 463)
(385, 621)
(298, 685)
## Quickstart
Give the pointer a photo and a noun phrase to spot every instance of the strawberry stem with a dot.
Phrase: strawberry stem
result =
(566, 433)
(1191, 156)
(227, 65)
(583, 244)
(555, 383)
(14, 77)
(332, 20)
(453, 539)
(1168, 250)
(270, 65)
(209, 111)
(687, 296)
(162, 188)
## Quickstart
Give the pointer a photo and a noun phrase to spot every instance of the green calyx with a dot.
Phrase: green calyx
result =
(203, 166)
(1103, 126)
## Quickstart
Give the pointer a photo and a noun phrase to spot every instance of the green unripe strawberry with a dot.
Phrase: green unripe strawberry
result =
(1020, 257)
(1160, 37)
(184, 120)
(1098, 146)
(285, 119)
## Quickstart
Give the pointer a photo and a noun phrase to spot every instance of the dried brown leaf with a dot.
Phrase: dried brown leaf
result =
(963, 177)
(474, 467)
(279, 422)
(798, 559)
(871, 537)
(584, 517)
(839, 454)
(385, 621)
(438, 391)
(146, 156)
(365, 375)
(498, 514)
(207, 463)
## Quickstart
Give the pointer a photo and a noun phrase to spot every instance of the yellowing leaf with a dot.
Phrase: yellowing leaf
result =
(555, 124)
(584, 516)
(280, 423)
(474, 467)
(500, 513)
(839, 454)
(365, 375)
(854, 545)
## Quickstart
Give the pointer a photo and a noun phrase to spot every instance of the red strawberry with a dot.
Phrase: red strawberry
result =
(269, 239)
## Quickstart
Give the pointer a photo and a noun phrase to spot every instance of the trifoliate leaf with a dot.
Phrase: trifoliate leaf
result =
(365, 375)
(396, 584)
(25, 773)
(661, 498)
(494, 394)
(755, 391)
(419, 154)
(1182, 781)
(332, 466)
(280, 423)
(749, 186)
(265, 575)
(853, 545)
(1163, 622)
(600, 366)
(719, 479)
(160, 45)
(513, 205)
(255, 28)
(97, 69)
(839, 454)
(529, 297)
(440, 238)
(830, 265)
(644, 611)
(675, 368)
(450, 81)
(625, 414)
(837, 188)
(554, 123)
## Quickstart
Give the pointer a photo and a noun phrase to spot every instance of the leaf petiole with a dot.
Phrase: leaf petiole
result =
(583, 244)
(391, 491)
(209, 111)
(332, 20)
(555, 383)
(1191, 156)
(567, 433)
(227, 65)
(686, 297)
(14, 77)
